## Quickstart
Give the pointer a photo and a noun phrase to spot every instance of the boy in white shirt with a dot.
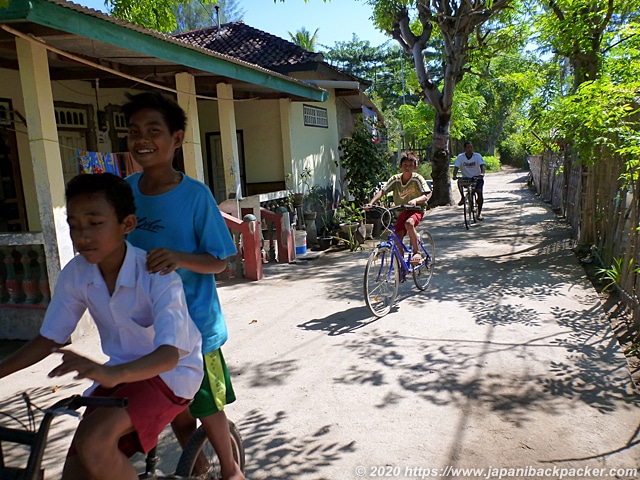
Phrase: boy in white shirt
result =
(144, 326)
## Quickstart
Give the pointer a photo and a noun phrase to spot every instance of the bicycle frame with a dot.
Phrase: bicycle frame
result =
(469, 198)
(393, 241)
(36, 440)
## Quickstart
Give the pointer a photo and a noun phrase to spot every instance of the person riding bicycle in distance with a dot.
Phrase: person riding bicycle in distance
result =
(409, 188)
(471, 164)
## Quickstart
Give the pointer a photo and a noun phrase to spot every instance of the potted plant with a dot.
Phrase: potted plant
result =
(350, 217)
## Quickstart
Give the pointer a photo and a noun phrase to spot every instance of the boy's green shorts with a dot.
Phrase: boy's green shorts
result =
(216, 390)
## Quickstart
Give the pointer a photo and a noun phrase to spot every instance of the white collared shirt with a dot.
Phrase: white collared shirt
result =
(145, 311)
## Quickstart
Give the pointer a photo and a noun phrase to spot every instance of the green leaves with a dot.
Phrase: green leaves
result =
(156, 15)
(364, 160)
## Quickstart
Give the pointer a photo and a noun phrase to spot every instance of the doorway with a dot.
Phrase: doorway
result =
(214, 166)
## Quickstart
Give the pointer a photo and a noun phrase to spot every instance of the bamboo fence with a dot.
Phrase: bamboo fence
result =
(603, 211)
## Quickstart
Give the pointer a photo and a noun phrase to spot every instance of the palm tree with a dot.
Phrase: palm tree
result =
(304, 39)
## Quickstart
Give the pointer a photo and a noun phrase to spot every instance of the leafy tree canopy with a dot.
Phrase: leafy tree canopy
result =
(193, 15)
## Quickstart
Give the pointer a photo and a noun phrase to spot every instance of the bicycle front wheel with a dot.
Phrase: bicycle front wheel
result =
(381, 281)
(472, 205)
(467, 211)
(200, 460)
(422, 274)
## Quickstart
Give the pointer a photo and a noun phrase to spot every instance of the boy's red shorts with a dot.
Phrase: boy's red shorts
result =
(152, 406)
(403, 217)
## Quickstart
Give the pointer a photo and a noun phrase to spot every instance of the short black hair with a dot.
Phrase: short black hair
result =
(173, 114)
(408, 155)
(468, 142)
(115, 189)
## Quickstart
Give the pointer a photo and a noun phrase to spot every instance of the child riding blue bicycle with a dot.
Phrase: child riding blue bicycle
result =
(408, 188)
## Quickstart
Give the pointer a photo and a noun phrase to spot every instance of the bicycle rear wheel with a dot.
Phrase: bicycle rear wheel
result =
(199, 443)
(381, 281)
(423, 273)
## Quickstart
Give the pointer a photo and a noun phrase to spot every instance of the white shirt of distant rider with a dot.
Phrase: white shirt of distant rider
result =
(469, 167)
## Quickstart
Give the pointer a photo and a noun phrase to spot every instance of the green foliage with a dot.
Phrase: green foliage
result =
(613, 275)
(492, 163)
(304, 39)
(351, 241)
(513, 151)
(424, 169)
(349, 212)
(599, 114)
(364, 160)
(173, 15)
(193, 15)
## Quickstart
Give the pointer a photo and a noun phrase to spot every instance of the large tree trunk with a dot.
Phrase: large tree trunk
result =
(440, 172)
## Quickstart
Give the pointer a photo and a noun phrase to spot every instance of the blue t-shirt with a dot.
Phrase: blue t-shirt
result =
(187, 219)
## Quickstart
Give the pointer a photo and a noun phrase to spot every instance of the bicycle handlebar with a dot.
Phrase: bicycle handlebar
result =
(397, 207)
(76, 401)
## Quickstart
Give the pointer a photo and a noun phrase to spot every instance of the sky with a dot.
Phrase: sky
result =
(336, 20)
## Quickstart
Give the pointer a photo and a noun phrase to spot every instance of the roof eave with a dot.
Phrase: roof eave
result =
(130, 37)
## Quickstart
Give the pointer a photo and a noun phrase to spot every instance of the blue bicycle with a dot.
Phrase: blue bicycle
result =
(388, 265)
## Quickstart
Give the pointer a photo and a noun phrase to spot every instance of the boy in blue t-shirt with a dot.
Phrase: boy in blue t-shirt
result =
(179, 224)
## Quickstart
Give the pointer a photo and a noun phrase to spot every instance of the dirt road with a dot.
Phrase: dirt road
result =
(506, 362)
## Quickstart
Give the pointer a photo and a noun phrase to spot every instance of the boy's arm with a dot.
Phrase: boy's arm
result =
(421, 199)
(164, 261)
(162, 359)
(35, 350)
(376, 197)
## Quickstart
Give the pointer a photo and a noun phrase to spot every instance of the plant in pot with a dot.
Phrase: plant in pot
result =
(328, 230)
(349, 217)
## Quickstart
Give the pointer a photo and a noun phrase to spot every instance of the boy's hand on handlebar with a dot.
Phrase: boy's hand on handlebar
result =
(85, 368)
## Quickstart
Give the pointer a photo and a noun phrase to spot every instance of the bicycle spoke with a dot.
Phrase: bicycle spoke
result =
(467, 222)
(423, 273)
(380, 282)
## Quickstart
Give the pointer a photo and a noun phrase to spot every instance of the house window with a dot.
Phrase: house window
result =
(5, 113)
(315, 116)
(120, 122)
(71, 117)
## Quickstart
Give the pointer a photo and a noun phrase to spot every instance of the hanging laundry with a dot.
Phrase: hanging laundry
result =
(130, 165)
(98, 162)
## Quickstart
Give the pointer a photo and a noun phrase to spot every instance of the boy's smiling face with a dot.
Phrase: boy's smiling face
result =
(150, 141)
(95, 230)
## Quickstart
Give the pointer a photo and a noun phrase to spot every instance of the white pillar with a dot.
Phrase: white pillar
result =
(229, 140)
(45, 155)
(191, 147)
(285, 127)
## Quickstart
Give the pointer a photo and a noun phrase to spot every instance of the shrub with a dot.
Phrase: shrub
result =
(364, 160)
(493, 163)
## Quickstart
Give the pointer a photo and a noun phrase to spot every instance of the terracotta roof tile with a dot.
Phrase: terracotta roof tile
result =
(251, 45)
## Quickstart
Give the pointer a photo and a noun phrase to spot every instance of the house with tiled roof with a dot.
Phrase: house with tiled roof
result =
(310, 139)
(65, 70)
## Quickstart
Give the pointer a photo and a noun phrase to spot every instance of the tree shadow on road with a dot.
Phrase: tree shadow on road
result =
(279, 454)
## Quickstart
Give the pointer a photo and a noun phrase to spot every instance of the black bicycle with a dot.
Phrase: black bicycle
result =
(35, 437)
(470, 199)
